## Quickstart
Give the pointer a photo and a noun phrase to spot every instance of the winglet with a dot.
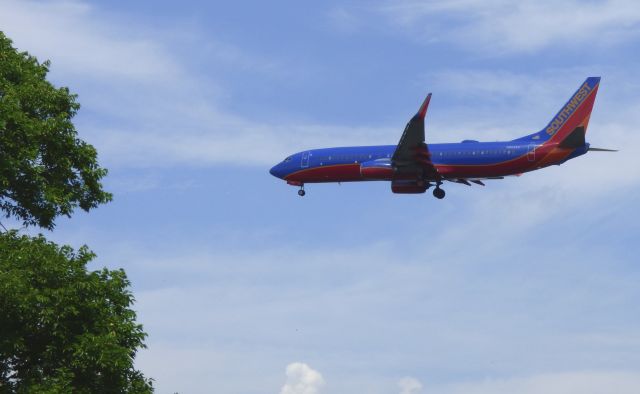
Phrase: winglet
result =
(423, 108)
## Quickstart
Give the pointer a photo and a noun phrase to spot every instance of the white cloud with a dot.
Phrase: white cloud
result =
(371, 316)
(423, 292)
(499, 26)
(504, 104)
(70, 34)
(227, 141)
(374, 306)
(152, 110)
(302, 379)
(409, 385)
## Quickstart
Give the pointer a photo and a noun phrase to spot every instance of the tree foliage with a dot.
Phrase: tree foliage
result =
(45, 169)
(63, 328)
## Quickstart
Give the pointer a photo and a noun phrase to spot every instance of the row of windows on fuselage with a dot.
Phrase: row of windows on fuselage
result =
(481, 152)
(465, 153)
(361, 157)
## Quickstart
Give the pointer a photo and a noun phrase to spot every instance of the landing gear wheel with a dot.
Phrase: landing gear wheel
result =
(438, 193)
(301, 192)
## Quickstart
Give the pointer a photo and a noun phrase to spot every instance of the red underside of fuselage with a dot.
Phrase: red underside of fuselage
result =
(332, 173)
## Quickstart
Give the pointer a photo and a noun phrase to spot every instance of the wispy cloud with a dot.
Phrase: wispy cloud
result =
(71, 35)
(439, 301)
(150, 108)
(344, 19)
(502, 26)
(587, 382)
(365, 311)
(456, 289)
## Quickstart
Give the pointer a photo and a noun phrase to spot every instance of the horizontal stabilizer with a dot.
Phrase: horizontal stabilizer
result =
(602, 150)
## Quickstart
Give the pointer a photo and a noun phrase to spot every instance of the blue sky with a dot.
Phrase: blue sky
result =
(527, 285)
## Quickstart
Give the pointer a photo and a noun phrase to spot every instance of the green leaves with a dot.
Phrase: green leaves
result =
(63, 327)
(45, 170)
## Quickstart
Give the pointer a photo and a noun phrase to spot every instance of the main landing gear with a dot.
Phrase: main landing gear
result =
(437, 192)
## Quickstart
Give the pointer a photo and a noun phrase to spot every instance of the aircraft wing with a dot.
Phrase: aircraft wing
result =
(412, 154)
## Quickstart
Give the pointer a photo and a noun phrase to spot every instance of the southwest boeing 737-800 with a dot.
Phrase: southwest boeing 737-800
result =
(413, 166)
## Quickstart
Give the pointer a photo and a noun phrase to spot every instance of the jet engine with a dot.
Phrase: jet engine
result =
(409, 186)
(377, 170)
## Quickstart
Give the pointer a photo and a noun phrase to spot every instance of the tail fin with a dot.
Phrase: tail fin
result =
(572, 120)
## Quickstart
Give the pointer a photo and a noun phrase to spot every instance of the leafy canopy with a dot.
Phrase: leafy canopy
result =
(63, 328)
(45, 170)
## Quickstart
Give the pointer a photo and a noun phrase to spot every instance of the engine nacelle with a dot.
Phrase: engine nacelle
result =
(377, 170)
(409, 186)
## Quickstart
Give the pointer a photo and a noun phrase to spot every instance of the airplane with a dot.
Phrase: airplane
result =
(412, 166)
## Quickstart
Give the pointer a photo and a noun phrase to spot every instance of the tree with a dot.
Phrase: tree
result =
(45, 169)
(62, 328)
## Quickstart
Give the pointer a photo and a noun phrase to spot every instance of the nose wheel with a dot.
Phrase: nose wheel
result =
(301, 192)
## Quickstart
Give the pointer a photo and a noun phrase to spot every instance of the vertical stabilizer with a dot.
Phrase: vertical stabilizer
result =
(572, 118)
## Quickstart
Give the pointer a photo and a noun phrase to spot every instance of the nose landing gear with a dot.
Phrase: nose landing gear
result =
(301, 192)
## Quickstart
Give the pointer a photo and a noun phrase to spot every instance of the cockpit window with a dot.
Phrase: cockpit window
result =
(287, 159)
